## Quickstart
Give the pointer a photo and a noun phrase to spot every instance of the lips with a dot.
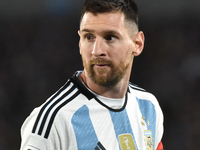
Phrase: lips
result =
(100, 65)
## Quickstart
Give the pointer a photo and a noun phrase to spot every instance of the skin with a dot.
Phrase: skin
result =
(109, 37)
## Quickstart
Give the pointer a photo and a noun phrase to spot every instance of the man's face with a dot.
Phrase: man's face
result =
(106, 47)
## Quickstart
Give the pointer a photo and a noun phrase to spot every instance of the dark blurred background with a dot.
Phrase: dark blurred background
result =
(39, 52)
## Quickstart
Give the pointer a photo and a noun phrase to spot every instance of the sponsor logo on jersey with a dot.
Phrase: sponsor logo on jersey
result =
(126, 142)
(149, 141)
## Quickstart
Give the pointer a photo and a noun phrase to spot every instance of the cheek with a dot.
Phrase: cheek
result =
(80, 51)
(85, 49)
(85, 54)
(128, 56)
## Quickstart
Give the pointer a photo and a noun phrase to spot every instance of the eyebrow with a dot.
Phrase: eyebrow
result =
(87, 30)
(105, 32)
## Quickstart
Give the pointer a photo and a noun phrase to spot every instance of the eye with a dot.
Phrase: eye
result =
(110, 37)
(89, 37)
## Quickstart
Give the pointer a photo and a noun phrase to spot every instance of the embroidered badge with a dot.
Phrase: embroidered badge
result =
(126, 142)
(149, 141)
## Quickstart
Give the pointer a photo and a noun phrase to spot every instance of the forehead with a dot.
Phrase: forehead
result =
(110, 20)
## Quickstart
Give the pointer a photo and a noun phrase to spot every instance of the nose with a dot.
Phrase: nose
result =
(99, 48)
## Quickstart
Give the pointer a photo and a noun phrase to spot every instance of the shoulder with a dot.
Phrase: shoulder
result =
(46, 114)
(41, 124)
(144, 98)
(71, 96)
(141, 93)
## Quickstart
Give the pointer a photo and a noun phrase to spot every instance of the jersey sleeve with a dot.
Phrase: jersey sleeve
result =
(30, 141)
(34, 141)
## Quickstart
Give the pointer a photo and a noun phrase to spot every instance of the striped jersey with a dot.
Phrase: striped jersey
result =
(74, 118)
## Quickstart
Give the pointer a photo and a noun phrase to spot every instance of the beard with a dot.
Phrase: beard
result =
(105, 76)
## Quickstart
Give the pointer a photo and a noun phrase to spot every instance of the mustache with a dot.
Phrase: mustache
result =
(101, 61)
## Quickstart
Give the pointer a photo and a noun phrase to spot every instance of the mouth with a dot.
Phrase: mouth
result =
(100, 65)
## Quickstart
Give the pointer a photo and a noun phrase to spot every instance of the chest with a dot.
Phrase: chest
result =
(95, 127)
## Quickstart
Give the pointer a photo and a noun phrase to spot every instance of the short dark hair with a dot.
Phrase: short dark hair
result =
(127, 7)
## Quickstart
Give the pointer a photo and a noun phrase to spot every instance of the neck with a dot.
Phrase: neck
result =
(117, 91)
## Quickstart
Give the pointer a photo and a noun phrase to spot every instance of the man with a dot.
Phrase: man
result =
(98, 108)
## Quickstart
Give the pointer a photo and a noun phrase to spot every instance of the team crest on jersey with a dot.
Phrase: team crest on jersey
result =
(126, 142)
(149, 141)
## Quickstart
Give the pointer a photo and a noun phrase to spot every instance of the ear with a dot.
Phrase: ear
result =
(79, 33)
(139, 43)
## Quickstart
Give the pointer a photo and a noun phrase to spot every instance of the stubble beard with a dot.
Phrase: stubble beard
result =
(104, 76)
